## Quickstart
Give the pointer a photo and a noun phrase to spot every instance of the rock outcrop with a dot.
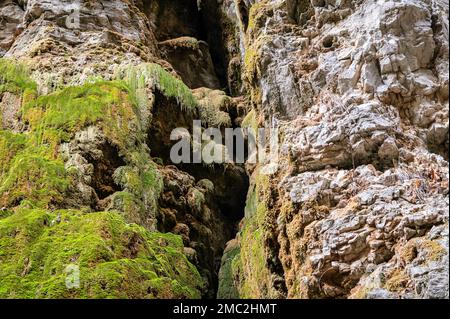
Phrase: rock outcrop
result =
(355, 207)
(359, 206)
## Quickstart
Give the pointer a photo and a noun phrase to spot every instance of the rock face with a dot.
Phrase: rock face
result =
(192, 60)
(357, 206)
(11, 14)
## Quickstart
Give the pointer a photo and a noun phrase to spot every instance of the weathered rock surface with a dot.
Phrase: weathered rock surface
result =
(88, 125)
(9, 108)
(359, 205)
(66, 51)
(192, 60)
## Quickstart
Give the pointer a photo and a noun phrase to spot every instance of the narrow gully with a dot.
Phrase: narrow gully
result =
(204, 204)
(206, 230)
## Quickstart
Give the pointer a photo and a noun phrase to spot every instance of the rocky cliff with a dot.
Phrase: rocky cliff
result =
(357, 206)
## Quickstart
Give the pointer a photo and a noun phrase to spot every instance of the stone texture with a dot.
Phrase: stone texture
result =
(109, 33)
(359, 205)
(192, 60)
(9, 111)
(11, 15)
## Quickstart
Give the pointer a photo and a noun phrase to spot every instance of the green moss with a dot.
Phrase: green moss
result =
(259, 13)
(129, 206)
(229, 274)
(31, 166)
(154, 76)
(142, 184)
(182, 42)
(29, 172)
(115, 259)
(57, 116)
(252, 58)
(212, 105)
(35, 177)
(54, 119)
(254, 275)
(15, 78)
(250, 121)
(256, 12)
(10, 144)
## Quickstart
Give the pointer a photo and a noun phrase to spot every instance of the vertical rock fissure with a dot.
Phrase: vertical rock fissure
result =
(202, 203)
(231, 188)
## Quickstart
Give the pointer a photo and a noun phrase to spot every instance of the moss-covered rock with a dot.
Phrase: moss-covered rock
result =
(40, 249)
(229, 275)
(154, 76)
(14, 78)
(46, 243)
(34, 176)
(249, 270)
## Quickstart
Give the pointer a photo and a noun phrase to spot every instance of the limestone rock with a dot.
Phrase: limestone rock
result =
(9, 111)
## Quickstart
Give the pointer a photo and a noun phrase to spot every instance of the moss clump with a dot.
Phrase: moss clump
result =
(57, 116)
(29, 172)
(115, 259)
(397, 281)
(229, 275)
(131, 208)
(14, 78)
(34, 176)
(257, 11)
(435, 251)
(142, 185)
(155, 77)
(10, 145)
(213, 105)
(182, 42)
